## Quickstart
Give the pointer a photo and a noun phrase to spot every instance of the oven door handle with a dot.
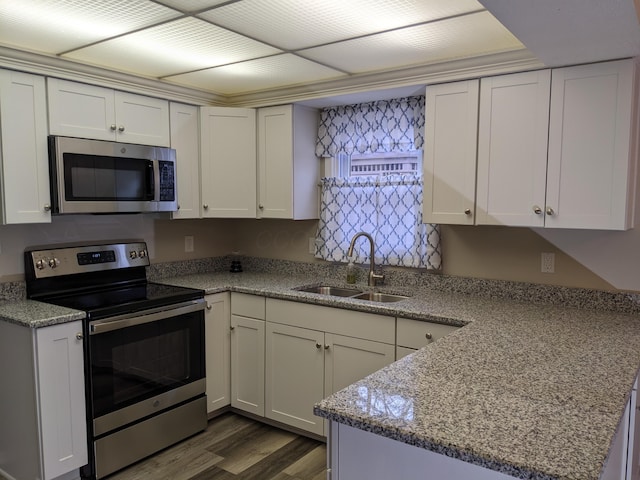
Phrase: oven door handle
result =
(139, 318)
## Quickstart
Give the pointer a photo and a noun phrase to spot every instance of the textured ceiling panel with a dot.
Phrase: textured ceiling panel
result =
(176, 47)
(192, 5)
(323, 21)
(256, 75)
(461, 37)
(55, 27)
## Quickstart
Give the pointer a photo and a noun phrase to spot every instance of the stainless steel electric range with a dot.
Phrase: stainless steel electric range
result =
(143, 343)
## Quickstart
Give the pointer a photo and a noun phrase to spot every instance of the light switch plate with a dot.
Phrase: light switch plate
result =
(188, 243)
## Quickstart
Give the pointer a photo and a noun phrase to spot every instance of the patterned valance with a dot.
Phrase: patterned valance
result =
(383, 126)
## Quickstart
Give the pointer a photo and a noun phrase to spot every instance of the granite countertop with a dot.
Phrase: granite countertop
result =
(534, 391)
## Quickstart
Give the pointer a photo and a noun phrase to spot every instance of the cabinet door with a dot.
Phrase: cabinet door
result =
(61, 399)
(79, 110)
(349, 359)
(218, 351)
(275, 162)
(228, 162)
(512, 149)
(450, 153)
(592, 133)
(143, 120)
(24, 157)
(247, 364)
(294, 376)
(185, 139)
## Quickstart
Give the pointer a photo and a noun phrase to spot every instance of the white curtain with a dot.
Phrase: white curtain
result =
(389, 208)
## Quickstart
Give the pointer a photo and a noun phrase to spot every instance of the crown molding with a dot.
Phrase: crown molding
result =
(496, 64)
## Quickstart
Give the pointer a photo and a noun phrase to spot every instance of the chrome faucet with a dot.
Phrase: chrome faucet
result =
(373, 277)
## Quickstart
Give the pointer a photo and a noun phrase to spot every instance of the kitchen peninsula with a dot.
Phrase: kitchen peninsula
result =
(529, 388)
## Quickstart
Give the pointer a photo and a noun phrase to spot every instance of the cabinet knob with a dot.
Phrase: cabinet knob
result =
(537, 210)
(326, 347)
(209, 306)
(232, 327)
(261, 207)
(467, 211)
(205, 206)
(550, 211)
(178, 207)
(318, 346)
(428, 336)
(121, 128)
(79, 336)
(113, 127)
(47, 207)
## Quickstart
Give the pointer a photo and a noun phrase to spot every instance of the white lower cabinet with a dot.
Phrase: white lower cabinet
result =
(217, 346)
(43, 417)
(247, 352)
(314, 351)
(412, 335)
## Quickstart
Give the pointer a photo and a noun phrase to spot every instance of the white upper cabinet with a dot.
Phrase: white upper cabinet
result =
(88, 111)
(23, 149)
(593, 130)
(450, 153)
(228, 162)
(185, 139)
(287, 166)
(512, 149)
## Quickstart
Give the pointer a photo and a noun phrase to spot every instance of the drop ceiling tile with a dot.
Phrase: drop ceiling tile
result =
(175, 47)
(192, 5)
(255, 75)
(461, 37)
(292, 24)
(57, 26)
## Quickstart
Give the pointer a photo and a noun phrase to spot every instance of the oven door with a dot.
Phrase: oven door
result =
(144, 363)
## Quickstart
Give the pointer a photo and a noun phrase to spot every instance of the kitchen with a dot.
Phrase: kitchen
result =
(478, 252)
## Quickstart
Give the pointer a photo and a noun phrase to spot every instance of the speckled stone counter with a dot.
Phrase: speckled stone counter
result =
(528, 388)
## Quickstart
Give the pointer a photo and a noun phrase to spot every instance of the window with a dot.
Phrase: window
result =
(375, 185)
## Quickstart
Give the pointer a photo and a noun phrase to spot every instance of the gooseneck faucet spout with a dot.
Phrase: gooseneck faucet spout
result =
(373, 277)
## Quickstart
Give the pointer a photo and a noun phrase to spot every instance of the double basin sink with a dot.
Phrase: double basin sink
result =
(353, 293)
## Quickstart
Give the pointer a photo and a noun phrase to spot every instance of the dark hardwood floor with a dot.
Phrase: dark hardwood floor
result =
(235, 448)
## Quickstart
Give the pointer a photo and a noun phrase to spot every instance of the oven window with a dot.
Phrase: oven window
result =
(97, 178)
(138, 362)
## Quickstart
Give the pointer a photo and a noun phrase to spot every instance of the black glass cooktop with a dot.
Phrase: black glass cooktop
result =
(109, 302)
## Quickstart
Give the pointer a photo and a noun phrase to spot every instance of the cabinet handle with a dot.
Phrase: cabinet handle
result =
(79, 336)
(121, 128)
(205, 206)
(550, 211)
(232, 327)
(47, 207)
(113, 127)
(428, 336)
(467, 211)
(537, 210)
(261, 207)
(209, 306)
(318, 346)
(326, 347)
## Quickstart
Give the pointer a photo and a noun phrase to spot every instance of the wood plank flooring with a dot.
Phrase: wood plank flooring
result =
(235, 448)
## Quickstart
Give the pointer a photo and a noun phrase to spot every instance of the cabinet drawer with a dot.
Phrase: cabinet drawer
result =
(417, 334)
(252, 306)
(368, 326)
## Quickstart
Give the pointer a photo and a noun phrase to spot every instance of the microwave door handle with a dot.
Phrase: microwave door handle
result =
(152, 175)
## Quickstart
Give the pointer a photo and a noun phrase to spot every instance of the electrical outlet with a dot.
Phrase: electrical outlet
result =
(547, 262)
(188, 243)
(312, 245)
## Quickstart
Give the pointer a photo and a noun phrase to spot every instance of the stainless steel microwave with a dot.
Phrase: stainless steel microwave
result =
(95, 176)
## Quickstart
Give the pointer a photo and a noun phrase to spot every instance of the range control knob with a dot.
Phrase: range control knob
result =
(133, 254)
(142, 253)
(54, 262)
(40, 264)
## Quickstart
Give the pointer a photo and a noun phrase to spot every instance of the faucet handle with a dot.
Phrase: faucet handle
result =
(376, 278)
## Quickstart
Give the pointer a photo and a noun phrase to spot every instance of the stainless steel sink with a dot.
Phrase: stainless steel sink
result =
(328, 290)
(379, 297)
